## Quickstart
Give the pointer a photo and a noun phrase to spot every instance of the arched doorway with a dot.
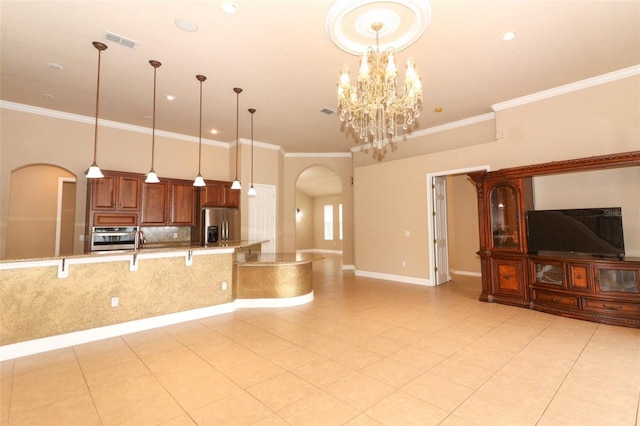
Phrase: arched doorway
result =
(318, 210)
(41, 217)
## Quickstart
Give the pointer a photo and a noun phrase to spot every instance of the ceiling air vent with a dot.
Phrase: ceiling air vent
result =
(327, 111)
(123, 41)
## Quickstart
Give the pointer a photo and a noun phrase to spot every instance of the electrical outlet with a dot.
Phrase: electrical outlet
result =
(115, 301)
(404, 263)
(224, 285)
(407, 233)
(175, 235)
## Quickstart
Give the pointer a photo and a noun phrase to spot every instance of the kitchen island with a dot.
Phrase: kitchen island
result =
(265, 279)
(47, 304)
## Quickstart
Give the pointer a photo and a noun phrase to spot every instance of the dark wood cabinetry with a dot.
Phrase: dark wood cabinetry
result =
(154, 204)
(219, 194)
(114, 200)
(182, 197)
(602, 290)
(169, 202)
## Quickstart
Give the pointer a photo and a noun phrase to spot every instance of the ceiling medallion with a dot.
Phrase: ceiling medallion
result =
(349, 23)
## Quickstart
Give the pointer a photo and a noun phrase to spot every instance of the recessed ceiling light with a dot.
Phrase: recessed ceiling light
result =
(214, 131)
(53, 66)
(170, 97)
(186, 25)
(509, 36)
(228, 7)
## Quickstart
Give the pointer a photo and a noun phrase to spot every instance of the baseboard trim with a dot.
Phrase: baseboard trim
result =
(31, 347)
(467, 273)
(397, 278)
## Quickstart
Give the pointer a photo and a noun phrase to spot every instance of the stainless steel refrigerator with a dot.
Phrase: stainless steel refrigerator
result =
(220, 224)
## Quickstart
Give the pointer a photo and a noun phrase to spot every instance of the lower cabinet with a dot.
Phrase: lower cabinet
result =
(508, 282)
(602, 290)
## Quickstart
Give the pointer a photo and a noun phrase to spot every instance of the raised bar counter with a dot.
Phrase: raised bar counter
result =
(274, 275)
(51, 303)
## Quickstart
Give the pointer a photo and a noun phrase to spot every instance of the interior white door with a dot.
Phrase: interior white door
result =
(262, 217)
(440, 244)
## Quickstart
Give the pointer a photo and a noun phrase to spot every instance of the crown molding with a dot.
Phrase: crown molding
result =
(436, 129)
(104, 123)
(568, 88)
(317, 155)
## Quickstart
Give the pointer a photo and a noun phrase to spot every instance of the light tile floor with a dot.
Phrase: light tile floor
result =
(364, 352)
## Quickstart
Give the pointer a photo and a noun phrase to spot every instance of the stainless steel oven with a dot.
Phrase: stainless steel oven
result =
(113, 238)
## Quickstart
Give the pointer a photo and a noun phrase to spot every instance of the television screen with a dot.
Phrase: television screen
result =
(593, 231)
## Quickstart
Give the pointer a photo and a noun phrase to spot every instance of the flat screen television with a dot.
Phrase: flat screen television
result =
(593, 231)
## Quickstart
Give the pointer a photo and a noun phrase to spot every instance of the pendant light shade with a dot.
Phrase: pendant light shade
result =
(152, 177)
(199, 181)
(252, 190)
(94, 171)
(236, 182)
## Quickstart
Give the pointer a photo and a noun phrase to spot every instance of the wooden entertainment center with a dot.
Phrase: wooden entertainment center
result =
(605, 290)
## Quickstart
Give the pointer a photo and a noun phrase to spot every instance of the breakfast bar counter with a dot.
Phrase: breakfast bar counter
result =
(274, 275)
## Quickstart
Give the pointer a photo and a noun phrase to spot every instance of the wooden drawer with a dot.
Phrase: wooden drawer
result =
(115, 219)
(550, 298)
(623, 308)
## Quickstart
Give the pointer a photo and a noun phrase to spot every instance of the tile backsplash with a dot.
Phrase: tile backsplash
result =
(167, 234)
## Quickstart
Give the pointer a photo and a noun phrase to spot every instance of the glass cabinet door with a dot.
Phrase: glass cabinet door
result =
(505, 226)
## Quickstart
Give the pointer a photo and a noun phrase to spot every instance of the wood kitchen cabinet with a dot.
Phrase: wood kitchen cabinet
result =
(154, 204)
(119, 192)
(182, 203)
(219, 194)
(169, 202)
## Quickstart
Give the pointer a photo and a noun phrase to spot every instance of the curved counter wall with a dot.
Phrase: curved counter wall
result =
(263, 279)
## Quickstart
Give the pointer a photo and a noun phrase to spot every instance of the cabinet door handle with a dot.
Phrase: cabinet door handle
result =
(612, 308)
(554, 300)
(579, 277)
(507, 277)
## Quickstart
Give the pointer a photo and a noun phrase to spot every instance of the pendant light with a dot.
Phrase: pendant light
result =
(199, 181)
(236, 182)
(152, 177)
(94, 171)
(252, 190)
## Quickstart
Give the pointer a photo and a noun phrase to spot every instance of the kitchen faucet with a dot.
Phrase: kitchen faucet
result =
(140, 240)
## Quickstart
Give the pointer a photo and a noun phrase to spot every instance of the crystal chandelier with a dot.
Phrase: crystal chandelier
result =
(376, 106)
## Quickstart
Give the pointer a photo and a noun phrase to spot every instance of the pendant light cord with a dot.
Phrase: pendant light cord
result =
(95, 134)
(153, 131)
(201, 79)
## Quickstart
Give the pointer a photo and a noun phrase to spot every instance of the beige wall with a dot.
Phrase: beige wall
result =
(32, 213)
(294, 165)
(305, 222)
(462, 217)
(390, 196)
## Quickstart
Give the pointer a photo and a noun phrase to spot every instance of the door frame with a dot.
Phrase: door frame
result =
(431, 217)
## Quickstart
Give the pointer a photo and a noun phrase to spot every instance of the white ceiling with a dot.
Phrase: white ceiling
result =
(280, 54)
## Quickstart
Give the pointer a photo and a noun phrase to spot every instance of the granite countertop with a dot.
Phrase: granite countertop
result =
(276, 258)
(149, 248)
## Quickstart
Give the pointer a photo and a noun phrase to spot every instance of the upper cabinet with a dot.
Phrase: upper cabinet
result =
(182, 197)
(169, 202)
(116, 192)
(154, 204)
(219, 194)
(505, 215)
